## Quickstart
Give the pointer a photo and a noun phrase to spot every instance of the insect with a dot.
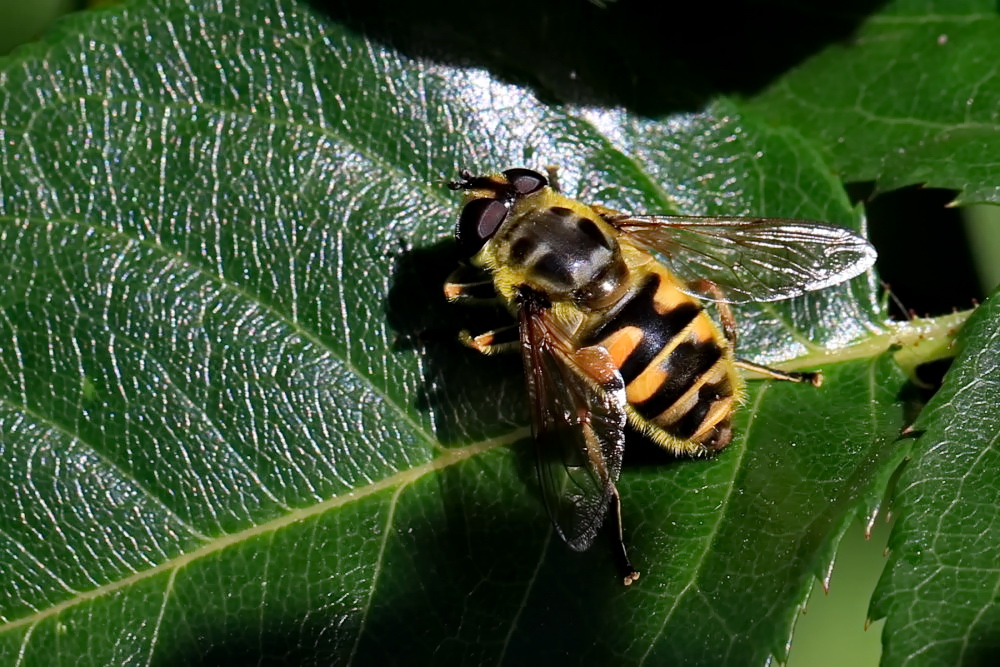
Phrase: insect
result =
(610, 334)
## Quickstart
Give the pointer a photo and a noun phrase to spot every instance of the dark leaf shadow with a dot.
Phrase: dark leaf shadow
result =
(470, 396)
(487, 557)
(616, 55)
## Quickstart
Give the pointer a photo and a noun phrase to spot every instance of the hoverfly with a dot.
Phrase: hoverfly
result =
(610, 334)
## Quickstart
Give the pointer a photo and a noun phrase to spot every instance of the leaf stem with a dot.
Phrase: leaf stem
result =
(915, 342)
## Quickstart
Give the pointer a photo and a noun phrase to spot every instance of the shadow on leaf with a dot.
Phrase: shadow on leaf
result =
(465, 546)
(471, 396)
(615, 55)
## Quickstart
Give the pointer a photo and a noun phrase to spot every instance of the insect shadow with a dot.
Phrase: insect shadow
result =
(469, 396)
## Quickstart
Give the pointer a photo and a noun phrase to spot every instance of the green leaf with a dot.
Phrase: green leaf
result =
(912, 98)
(235, 426)
(939, 592)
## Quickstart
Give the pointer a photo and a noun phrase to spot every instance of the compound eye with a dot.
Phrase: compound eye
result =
(478, 223)
(525, 181)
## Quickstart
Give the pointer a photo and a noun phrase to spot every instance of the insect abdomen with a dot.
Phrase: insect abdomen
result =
(678, 371)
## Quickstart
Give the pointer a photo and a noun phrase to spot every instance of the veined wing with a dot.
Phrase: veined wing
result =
(751, 259)
(577, 399)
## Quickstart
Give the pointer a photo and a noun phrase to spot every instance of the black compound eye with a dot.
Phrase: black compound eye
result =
(478, 223)
(525, 181)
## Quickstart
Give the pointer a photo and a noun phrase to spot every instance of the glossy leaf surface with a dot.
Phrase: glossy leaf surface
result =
(913, 97)
(939, 591)
(235, 425)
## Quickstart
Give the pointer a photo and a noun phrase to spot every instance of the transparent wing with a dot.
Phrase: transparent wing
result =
(751, 259)
(578, 420)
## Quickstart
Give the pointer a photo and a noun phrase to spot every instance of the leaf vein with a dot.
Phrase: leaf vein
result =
(449, 458)
(377, 570)
(720, 514)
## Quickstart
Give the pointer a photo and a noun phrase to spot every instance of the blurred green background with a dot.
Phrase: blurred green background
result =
(22, 21)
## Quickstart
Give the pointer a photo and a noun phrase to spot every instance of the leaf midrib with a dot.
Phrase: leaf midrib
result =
(692, 579)
(448, 458)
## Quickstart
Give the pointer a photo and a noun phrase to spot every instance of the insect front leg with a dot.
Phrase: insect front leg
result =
(469, 285)
(504, 339)
(472, 286)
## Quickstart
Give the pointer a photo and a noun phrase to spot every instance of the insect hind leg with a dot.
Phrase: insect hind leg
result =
(629, 574)
(718, 296)
(728, 321)
(815, 378)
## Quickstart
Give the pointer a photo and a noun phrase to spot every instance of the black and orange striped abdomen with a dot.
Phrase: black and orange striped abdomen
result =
(678, 369)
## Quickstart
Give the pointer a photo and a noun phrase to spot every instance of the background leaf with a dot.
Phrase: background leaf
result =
(939, 591)
(235, 426)
(912, 98)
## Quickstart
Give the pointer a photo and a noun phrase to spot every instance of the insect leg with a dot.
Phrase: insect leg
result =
(726, 318)
(728, 322)
(629, 575)
(504, 339)
(467, 285)
(813, 378)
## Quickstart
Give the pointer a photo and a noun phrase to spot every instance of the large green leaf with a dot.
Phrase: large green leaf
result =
(234, 424)
(912, 98)
(940, 590)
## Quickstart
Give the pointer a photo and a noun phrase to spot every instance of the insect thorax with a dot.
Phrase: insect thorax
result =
(564, 254)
